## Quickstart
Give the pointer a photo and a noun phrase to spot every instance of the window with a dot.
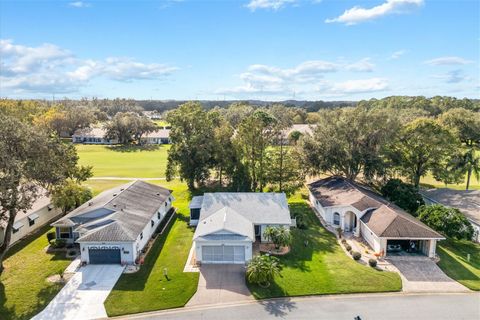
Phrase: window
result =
(64, 233)
(336, 219)
(165, 204)
(152, 223)
(141, 236)
(31, 222)
(158, 215)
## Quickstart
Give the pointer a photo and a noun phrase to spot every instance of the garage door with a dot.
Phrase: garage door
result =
(223, 254)
(104, 256)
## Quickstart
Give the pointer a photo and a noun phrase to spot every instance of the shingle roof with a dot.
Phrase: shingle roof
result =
(257, 207)
(121, 213)
(467, 201)
(384, 219)
(225, 219)
(95, 132)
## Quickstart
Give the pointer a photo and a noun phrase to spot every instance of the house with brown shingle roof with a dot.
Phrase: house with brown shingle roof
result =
(357, 209)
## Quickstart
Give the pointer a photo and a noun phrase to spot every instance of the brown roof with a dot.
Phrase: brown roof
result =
(384, 219)
(467, 201)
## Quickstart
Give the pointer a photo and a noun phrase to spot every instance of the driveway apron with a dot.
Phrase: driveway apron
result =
(221, 283)
(83, 296)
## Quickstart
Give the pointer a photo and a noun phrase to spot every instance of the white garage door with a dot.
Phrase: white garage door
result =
(223, 254)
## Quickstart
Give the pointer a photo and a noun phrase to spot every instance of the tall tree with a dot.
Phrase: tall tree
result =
(350, 141)
(69, 195)
(420, 147)
(466, 126)
(254, 136)
(29, 160)
(128, 127)
(193, 142)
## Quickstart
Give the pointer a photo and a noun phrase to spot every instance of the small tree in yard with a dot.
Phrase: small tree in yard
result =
(70, 195)
(404, 195)
(280, 236)
(448, 221)
(262, 269)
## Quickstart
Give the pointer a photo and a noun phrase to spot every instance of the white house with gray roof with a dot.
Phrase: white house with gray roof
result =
(355, 208)
(229, 223)
(115, 226)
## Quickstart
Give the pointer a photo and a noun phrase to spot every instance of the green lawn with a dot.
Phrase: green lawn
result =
(24, 290)
(322, 267)
(130, 161)
(148, 289)
(453, 261)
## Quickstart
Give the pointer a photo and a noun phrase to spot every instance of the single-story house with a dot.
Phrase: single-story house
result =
(95, 135)
(357, 209)
(153, 115)
(467, 201)
(41, 212)
(115, 226)
(160, 136)
(228, 223)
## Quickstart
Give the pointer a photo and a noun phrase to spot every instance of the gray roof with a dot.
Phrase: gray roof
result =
(257, 207)
(118, 214)
(196, 202)
(95, 132)
(467, 201)
(382, 217)
(225, 219)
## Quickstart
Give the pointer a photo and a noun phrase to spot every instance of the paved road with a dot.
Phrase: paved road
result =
(461, 306)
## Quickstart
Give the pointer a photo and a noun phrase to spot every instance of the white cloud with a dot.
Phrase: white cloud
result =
(48, 68)
(397, 54)
(268, 4)
(359, 86)
(453, 76)
(358, 14)
(445, 61)
(363, 65)
(79, 4)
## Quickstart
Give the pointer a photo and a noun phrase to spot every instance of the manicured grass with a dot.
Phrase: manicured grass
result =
(429, 181)
(148, 289)
(453, 261)
(322, 267)
(119, 161)
(24, 290)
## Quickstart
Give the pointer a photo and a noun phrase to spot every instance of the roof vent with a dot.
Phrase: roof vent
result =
(114, 205)
(114, 194)
(121, 189)
(158, 193)
(90, 203)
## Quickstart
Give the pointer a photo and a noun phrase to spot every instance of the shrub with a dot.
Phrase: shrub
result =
(348, 247)
(72, 252)
(262, 269)
(344, 241)
(404, 195)
(356, 255)
(372, 263)
(448, 221)
(58, 243)
(50, 236)
(280, 236)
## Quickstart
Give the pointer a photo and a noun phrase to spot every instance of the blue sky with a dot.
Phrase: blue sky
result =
(252, 49)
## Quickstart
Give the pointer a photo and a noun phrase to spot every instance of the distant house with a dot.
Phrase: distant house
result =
(357, 209)
(115, 226)
(467, 201)
(153, 115)
(160, 136)
(302, 128)
(26, 222)
(229, 223)
(94, 135)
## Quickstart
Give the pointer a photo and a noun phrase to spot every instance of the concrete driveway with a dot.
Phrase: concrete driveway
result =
(83, 296)
(221, 283)
(423, 275)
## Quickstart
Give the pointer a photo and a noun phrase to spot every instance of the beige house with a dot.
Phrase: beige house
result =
(356, 209)
(28, 221)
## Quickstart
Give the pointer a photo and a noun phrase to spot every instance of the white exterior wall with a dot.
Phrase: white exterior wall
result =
(476, 232)
(376, 243)
(44, 215)
(93, 140)
(246, 244)
(127, 254)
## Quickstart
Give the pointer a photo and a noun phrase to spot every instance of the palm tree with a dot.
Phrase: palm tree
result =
(471, 164)
(262, 269)
(280, 236)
